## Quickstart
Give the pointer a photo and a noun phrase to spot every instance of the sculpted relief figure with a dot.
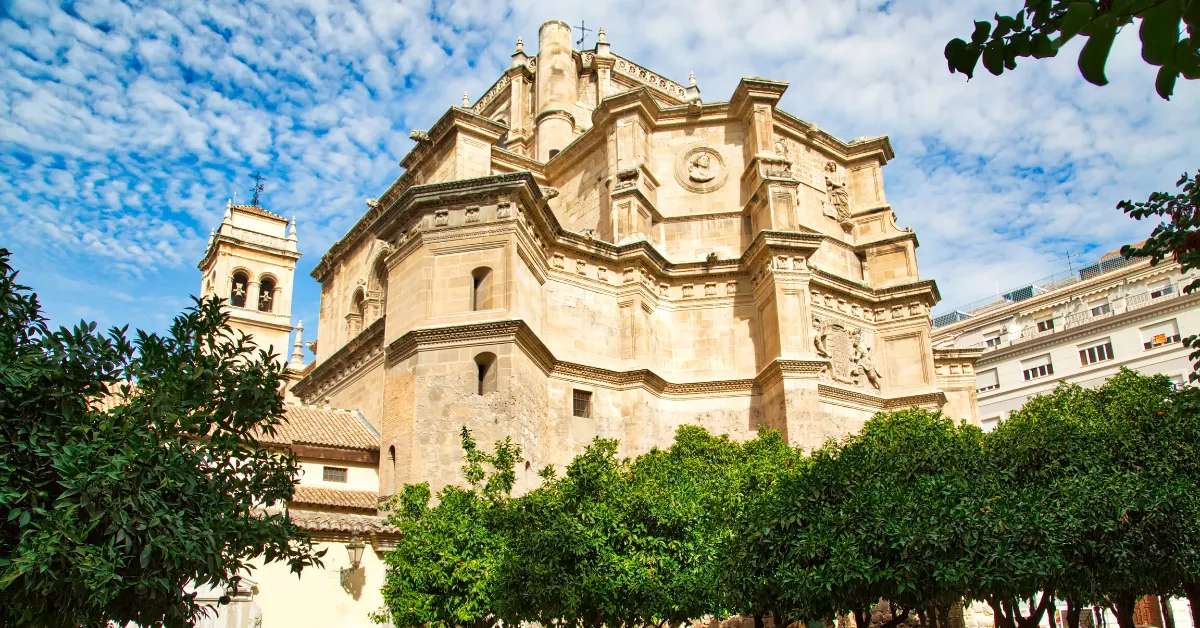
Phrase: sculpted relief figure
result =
(838, 206)
(864, 364)
(700, 168)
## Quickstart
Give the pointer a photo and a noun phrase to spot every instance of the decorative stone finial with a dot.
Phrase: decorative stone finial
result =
(297, 361)
(520, 45)
(600, 39)
(466, 101)
(228, 212)
(691, 78)
(292, 229)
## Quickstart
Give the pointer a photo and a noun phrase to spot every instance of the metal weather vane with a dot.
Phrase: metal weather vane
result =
(258, 187)
(583, 31)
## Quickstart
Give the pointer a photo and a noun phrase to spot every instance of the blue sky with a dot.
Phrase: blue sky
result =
(125, 126)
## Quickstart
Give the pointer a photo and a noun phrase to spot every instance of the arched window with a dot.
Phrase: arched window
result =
(266, 294)
(380, 276)
(354, 319)
(392, 462)
(481, 289)
(485, 364)
(239, 288)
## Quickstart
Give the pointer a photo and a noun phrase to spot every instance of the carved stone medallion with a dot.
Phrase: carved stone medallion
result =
(700, 169)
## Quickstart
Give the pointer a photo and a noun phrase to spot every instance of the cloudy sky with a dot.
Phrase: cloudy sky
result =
(125, 126)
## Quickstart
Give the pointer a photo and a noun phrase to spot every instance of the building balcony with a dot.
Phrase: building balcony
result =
(1089, 315)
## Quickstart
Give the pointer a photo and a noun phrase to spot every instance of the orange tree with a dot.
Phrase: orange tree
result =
(129, 469)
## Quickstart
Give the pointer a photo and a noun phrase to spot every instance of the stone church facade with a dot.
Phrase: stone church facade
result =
(592, 250)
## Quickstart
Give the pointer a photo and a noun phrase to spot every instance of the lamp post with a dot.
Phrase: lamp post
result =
(355, 549)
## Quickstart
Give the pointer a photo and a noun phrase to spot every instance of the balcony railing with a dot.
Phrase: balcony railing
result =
(1071, 321)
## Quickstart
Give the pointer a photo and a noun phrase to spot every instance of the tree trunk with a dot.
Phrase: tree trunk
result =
(1124, 604)
(1072, 618)
(1053, 610)
(862, 618)
(943, 615)
(1192, 590)
(1164, 601)
(923, 618)
(1001, 618)
(896, 620)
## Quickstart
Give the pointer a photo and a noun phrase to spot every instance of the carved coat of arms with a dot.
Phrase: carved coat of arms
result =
(849, 358)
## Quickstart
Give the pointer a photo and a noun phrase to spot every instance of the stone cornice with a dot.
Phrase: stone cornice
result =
(362, 348)
(900, 237)
(854, 149)
(211, 253)
(752, 88)
(934, 399)
(962, 355)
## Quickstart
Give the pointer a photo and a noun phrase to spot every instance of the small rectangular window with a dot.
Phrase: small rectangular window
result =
(990, 423)
(1160, 289)
(1100, 308)
(333, 474)
(1037, 368)
(1098, 352)
(1159, 334)
(991, 339)
(581, 403)
(1177, 381)
(1045, 325)
(986, 380)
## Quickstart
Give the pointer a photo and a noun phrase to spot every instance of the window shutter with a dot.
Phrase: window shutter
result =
(1041, 360)
(986, 379)
(1165, 328)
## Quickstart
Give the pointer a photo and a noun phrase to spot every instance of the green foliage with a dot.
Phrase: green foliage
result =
(1176, 236)
(1084, 494)
(1042, 27)
(442, 573)
(106, 514)
(630, 542)
(1093, 495)
(877, 515)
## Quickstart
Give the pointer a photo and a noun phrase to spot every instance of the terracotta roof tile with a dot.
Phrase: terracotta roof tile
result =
(337, 521)
(307, 425)
(317, 496)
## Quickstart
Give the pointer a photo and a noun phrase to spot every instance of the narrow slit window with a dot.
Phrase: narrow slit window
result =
(481, 289)
(485, 369)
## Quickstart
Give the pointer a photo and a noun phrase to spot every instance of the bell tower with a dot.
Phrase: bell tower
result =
(250, 262)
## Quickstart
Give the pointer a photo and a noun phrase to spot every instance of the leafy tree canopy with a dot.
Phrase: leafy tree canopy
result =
(1042, 27)
(129, 469)
(442, 573)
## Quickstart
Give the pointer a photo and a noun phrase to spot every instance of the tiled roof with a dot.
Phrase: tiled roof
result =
(1117, 253)
(307, 425)
(337, 521)
(317, 496)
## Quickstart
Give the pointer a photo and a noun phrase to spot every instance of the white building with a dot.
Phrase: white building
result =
(1079, 326)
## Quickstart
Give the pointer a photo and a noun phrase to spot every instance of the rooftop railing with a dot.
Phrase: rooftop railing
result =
(1059, 324)
(1037, 288)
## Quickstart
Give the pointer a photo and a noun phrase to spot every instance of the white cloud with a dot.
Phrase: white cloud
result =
(126, 127)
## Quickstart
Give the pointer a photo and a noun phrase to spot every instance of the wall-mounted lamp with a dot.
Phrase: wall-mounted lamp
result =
(355, 549)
